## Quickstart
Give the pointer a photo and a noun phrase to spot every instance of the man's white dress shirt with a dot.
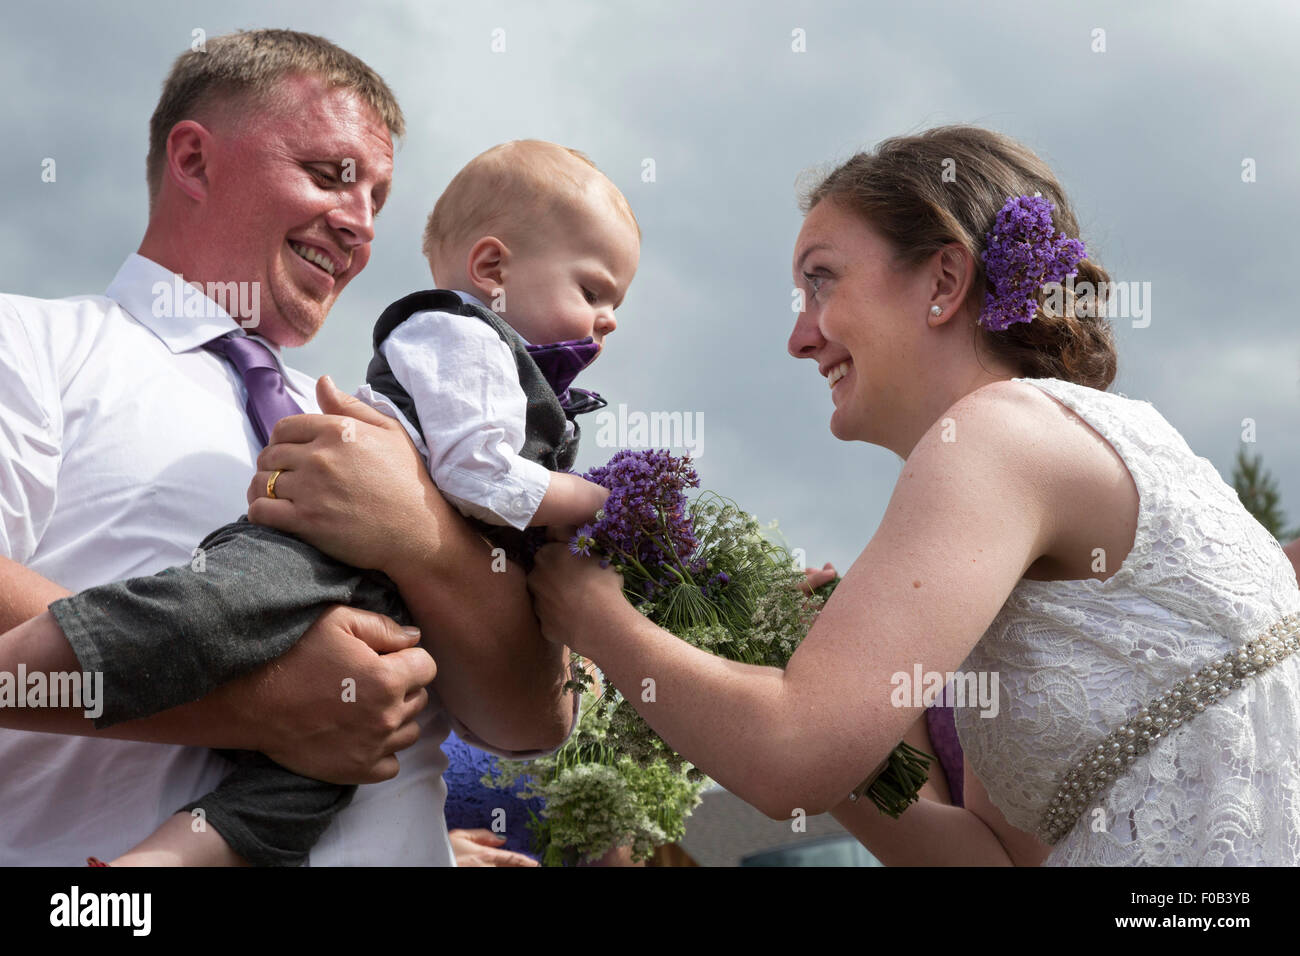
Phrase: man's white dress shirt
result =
(122, 444)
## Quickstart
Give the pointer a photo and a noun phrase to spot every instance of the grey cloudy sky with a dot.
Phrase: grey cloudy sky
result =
(1148, 137)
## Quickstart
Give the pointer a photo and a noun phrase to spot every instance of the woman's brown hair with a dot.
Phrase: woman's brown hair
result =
(946, 185)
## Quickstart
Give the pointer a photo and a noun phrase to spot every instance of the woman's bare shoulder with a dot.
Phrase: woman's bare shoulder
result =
(1092, 499)
(1021, 421)
(1033, 427)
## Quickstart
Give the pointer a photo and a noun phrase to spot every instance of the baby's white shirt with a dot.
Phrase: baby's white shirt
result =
(465, 385)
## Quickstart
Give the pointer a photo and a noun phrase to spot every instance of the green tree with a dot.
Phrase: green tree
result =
(1257, 490)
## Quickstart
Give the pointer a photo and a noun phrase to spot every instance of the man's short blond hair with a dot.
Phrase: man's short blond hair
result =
(249, 63)
(510, 191)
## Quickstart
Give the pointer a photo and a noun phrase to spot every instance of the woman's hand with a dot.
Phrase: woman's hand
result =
(483, 848)
(574, 597)
(351, 483)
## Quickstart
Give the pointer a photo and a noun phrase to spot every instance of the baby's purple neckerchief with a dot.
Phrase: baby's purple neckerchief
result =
(1023, 253)
(560, 363)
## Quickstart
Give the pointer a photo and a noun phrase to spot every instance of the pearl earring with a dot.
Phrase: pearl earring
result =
(935, 310)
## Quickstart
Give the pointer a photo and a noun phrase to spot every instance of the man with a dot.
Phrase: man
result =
(125, 438)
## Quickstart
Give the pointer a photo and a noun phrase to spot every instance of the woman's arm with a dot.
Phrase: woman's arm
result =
(930, 833)
(357, 489)
(934, 833)
(966, 520)
(1023, 848)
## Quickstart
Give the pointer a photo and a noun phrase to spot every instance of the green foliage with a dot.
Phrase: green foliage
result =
(599, 796)
(1258, 492)
(616, 782)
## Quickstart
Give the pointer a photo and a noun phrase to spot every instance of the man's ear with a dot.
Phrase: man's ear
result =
(486, 266)
(189, 151)
(953, 274)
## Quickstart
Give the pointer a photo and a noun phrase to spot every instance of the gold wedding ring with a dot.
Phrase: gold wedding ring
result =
(270, 483)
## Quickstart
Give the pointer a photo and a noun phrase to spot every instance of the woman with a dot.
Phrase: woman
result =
(1042, 531)
(486, 827)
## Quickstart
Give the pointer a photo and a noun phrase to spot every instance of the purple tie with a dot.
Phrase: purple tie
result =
(268, 399)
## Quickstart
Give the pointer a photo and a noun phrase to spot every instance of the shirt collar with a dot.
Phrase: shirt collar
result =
(469, 299)
(156, 297)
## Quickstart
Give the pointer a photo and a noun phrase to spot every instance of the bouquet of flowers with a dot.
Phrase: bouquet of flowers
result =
(702, 569)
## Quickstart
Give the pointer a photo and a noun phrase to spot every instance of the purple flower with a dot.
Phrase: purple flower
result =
(644, 523)
(715, 584)
(582, 542)
(1024, 253)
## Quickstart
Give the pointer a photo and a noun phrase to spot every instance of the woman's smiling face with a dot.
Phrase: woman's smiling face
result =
(862, 321)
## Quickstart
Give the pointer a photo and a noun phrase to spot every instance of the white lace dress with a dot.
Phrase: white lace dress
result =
(1077, 661)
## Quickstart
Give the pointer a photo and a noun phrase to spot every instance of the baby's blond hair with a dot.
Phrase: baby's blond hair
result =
(510, 191)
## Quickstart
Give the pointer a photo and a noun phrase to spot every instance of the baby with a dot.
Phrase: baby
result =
(537, 233)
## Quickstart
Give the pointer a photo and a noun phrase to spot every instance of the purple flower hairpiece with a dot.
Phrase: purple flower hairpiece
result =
(1023, 254)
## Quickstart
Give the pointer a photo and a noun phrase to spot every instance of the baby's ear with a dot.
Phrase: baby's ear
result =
(487, 262)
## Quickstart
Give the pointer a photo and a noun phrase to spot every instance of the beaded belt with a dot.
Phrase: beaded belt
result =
(1099, 768)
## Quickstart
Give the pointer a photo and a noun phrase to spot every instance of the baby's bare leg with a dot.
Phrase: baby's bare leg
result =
(178, 843)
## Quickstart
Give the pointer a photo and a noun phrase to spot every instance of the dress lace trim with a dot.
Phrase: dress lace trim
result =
(1094, 773)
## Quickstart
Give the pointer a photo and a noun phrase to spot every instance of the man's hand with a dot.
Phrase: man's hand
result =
(815, 578)
(343, 701)
(352, 484)
(483, 848)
